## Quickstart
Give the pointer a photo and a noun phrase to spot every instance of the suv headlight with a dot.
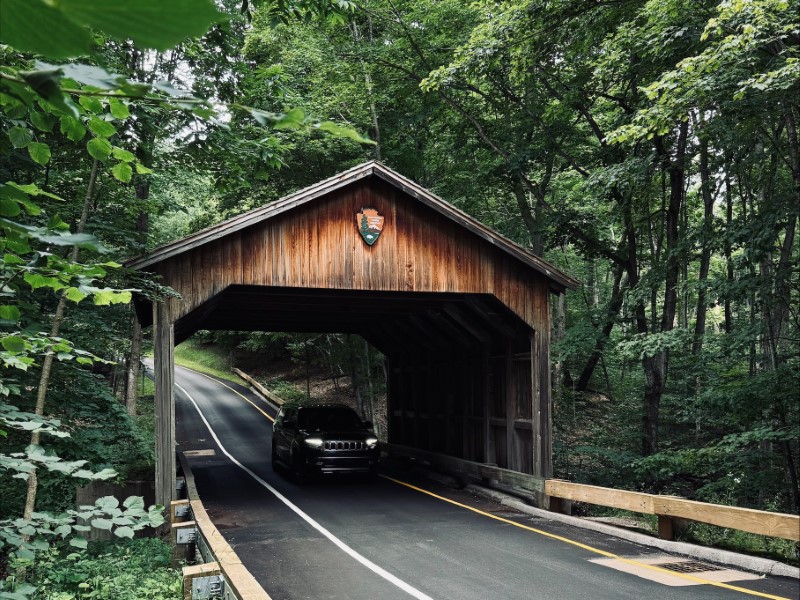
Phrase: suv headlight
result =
(371, 442)
(314, 442)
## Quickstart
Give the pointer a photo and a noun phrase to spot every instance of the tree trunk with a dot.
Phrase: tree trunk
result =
(55, 328)
(614, 306)
(705, 256)
(656, 367)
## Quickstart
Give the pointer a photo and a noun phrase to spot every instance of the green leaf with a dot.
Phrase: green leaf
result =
(99, 148)
(9, 312)
(42, 122)
(106, 503)
(39, 152)
(38, 27)
(20, 136)
(78, 542)
(72, 128)
(122, 171)
(109, 296)
(75, 295)
(9, 208)
(122, 154)
(89, 75)
(92, 104)
(13, 343)
(45, 81)
(37, 280)
(101, 524)
(133, 502)
(101, 128)
(150, 23)
(291, 120)
(124, 531)
(345, 132)
(119, 109)
(142, 170)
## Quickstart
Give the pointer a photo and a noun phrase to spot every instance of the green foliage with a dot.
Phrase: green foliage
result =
(137, 569)
(24, 537)
(205, 358)
(59, 30)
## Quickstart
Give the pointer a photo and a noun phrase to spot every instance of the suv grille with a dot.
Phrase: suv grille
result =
(339, 445)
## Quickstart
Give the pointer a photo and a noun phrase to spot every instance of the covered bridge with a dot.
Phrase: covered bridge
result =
(461, 313)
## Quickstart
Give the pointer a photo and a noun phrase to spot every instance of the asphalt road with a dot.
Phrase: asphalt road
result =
(351, 539)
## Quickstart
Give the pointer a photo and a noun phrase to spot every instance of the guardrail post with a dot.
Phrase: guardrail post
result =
(196, 572)
(183, 541)
(666, 528)
(180, 512)
(559, 505)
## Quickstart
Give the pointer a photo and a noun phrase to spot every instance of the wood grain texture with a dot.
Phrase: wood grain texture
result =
(744, 519)
(320, 247)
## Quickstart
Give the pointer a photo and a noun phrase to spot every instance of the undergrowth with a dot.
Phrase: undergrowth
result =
(137, 569)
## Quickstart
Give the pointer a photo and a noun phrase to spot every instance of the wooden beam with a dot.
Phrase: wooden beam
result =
(164, 371)
(470, 469)
(488, 445)
(508, 390)
(671, 507)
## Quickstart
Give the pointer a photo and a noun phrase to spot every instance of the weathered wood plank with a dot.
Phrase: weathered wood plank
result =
(744, 519)
(577, 492)
(164, 365)
(470, 469)
(260, 388)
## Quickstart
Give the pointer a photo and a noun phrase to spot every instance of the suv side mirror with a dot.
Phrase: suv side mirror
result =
(368, 424)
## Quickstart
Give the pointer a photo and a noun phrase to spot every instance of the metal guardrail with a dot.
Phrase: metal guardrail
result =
(217, 572)
(669, 509)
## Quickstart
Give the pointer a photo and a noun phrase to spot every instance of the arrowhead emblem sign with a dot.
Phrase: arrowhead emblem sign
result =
(370, 225)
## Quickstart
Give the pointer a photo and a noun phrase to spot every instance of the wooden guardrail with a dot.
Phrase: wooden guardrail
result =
(277, 400)
(188, 516)
(667, 508)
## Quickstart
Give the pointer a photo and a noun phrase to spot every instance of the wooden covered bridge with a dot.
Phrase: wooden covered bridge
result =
(461, 313)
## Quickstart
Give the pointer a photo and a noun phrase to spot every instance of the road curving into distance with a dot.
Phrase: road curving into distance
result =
(403, 536)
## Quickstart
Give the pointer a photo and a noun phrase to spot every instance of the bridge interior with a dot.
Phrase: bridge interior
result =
(458, 365)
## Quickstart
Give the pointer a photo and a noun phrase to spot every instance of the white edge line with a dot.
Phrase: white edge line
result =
(339, 543)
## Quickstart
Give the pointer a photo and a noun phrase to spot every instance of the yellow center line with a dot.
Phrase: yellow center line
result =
(539, 531)
(243, 397)
(586, 547)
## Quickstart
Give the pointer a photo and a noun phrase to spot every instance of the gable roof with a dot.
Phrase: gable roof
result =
(360, 172)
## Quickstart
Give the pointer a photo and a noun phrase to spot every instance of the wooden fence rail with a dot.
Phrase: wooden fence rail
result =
(278, 401)
(667, 508)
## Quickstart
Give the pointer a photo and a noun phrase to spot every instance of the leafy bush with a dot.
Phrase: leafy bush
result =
(120, 570)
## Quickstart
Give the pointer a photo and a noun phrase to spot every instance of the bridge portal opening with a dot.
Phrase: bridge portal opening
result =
(461, 313)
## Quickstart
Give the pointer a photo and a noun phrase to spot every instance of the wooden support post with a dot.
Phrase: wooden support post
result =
(541, 419)
(666, 529)
(488, 454)
(164, 358)
(182, 551)
(508, 391)
(195, 571)
(176, 507)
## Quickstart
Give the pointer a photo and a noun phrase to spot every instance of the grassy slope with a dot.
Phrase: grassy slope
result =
(207, 359)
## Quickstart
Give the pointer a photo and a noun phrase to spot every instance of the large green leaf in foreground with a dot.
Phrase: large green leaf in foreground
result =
(62, 30)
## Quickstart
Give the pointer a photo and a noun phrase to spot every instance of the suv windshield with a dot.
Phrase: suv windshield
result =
(328, 418)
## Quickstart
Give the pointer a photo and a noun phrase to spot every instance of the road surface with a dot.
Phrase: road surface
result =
(404, 536)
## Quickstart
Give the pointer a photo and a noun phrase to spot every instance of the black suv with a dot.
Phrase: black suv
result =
(323, 438)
